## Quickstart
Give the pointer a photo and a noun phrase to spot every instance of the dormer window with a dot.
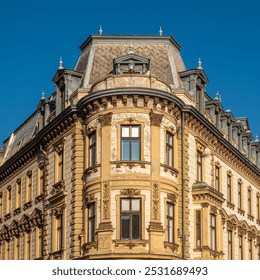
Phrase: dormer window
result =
(131, 63)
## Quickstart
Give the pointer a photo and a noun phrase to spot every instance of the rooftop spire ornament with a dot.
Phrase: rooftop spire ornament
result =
(60, 63)
(256, 138)
(100, 30)
(199, 64)
(160, 31)
(43, 97)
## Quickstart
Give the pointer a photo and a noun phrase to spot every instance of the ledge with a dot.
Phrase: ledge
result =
(172, 246)
(202, 192)
(27, 205)
(130, 163)
(170, 169)
(92, 169)
(230, 205)
(17, 211)
(250, 217)
(130, 243)
(241, 211)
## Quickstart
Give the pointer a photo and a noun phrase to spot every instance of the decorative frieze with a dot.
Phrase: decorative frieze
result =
(130, 192)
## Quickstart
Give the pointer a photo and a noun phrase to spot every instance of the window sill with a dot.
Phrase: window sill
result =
(130, 243)
(17, 211)
(59, 186)
(170, 245)
(38, 198)
(92, 169)
(250, 217)
(7, 216)
(168, 168)
(27, 205)
(57, 255)
(89, 245)
(241, 211)
(130, 163)
(230, 205)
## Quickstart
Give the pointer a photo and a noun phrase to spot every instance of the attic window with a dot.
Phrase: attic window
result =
(131, 63)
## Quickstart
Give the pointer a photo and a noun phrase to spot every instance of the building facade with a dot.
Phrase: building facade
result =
(130, 158)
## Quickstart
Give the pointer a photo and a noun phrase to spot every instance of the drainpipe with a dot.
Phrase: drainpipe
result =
(43, 200)
(183, 185)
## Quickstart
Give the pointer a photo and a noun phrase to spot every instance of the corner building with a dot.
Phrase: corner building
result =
(130, 158)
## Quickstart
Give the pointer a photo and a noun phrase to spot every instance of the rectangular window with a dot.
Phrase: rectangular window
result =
(170, 222)
(258, 207)
(92, 148)
(230, 245)
(38, 243)
(213, 232)
(91, 222)
(199, 166)
(130, 218)
(229, 190)
(250, 249)
(8, 200)
(1, 205)
(28, 246)
(18, 194)
(239, 195)
(198, 229)
(59, 232)
(249, 205)
(130, 142)
(258, 251)
(29, 187)
(59, 166)
(40, 180)
(169, 149)
(240, 247)
(217, 178)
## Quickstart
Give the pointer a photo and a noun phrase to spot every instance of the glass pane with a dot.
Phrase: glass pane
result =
(169, 139)
(135, 227)
(91, 211)
(170, 230)
(125, 131)
(125, 204)
(125, 150)
(169, 159)
(135, 131)
(125, 226)
(136, 204)
(170, 210)
(91, 230)
(92, 139)
(135, 150)
(92, 156)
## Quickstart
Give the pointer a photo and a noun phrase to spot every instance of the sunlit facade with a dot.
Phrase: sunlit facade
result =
(130, 158)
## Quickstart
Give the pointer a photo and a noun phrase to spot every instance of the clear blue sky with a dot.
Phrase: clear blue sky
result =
(225, 34)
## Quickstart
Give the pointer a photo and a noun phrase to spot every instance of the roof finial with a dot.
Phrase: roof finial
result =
(60, 63)
(43, 97)
(160, 31)
(256, 138)
(217, 95)
(199, 64)
(100, 30)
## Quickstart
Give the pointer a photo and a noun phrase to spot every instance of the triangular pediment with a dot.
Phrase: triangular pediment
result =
(131, 58)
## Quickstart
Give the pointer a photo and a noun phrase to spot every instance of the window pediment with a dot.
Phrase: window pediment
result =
(131, 63)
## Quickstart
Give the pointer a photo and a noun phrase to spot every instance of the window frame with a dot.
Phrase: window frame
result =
(217, 177)
(229, 188)
(198, 229)
(131, 213)
(91, 223)
(213, 232)
(91, 147)
(170, 235)
(199, 160)
(130, 139)
(169, 149)
(230, 244)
